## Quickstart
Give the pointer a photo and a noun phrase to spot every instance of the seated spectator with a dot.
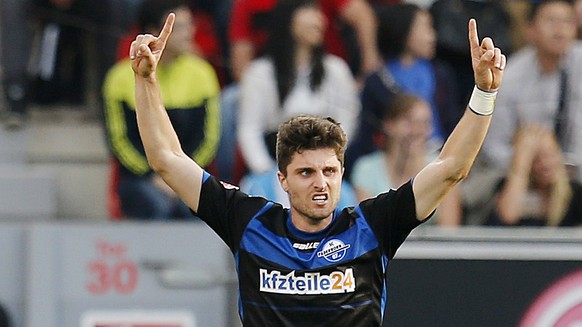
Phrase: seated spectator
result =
(350, 24)
(537, 190)
(407, 126)
(209, 36)
(295, 77)
(267, 185)
(542, 85)
(407, 42)
(190, 93)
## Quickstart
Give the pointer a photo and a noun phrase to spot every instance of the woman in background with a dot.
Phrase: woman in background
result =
(295, 77)
(537, 190)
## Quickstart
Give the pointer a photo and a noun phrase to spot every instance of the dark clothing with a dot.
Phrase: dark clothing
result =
(287, 277)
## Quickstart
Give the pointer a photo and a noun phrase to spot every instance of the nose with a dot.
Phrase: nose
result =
(319, 181)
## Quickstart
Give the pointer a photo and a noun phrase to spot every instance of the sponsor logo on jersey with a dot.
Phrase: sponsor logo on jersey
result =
(306, 246)
(333, 250)
(310, 283)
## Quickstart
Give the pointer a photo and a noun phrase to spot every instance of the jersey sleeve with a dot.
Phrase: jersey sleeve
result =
(226, 209)
(392, 216)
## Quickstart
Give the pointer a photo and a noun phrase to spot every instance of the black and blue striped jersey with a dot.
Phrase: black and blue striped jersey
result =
(287, 277)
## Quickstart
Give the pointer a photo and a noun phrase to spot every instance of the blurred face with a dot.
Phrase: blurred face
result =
(313, 183)
(308, 26)
(413, 129)
(546, 163)
(421, 41)
(181, 39)
(553, 30)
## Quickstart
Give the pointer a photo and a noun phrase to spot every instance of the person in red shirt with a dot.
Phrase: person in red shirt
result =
(249, 28)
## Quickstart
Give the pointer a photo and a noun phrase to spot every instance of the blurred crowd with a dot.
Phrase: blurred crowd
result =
(396, 74)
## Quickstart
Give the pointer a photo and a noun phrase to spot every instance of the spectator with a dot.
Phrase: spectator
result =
(537, 189)
(248, 33)
(295, 76)
(407, 42)
(543, 85)
(142, 193)
(407, 125)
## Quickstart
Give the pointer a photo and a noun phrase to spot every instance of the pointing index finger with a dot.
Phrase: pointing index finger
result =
(167, 29)
(473, 36)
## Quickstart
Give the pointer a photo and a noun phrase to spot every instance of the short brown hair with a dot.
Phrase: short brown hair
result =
(308, 132)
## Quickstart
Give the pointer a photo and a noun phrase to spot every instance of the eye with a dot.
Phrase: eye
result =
(305, 172)
(330, 171)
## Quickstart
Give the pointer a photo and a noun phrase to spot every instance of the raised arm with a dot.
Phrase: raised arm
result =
(160, 141)
(461, 148)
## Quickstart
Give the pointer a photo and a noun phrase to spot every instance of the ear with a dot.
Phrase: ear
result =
(283, 181)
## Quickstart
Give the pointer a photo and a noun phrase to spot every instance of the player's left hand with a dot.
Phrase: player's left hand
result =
(146, 50)
(487, 60)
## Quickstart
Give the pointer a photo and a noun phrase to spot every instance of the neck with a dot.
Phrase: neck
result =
(303, 56)
(407, 60)
(549, 63)
(309, 225)
(168, 57)
(403, 164)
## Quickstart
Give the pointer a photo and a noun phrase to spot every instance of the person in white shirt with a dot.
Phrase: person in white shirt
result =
(295, 77)
(541, 81)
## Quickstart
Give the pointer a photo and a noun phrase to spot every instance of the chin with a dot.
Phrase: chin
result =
(321, 214)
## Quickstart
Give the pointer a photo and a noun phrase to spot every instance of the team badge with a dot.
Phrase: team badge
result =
(333, 250)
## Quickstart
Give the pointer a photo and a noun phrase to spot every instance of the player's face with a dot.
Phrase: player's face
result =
(313, 184)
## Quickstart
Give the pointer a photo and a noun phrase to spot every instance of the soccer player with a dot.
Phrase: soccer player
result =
(311, 264)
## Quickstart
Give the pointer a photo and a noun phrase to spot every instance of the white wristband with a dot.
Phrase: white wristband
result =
(482, 102)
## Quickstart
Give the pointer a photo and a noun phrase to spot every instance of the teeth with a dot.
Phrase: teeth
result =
(320, 198)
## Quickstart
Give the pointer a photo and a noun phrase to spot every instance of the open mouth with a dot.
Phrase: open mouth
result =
(320, 198)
